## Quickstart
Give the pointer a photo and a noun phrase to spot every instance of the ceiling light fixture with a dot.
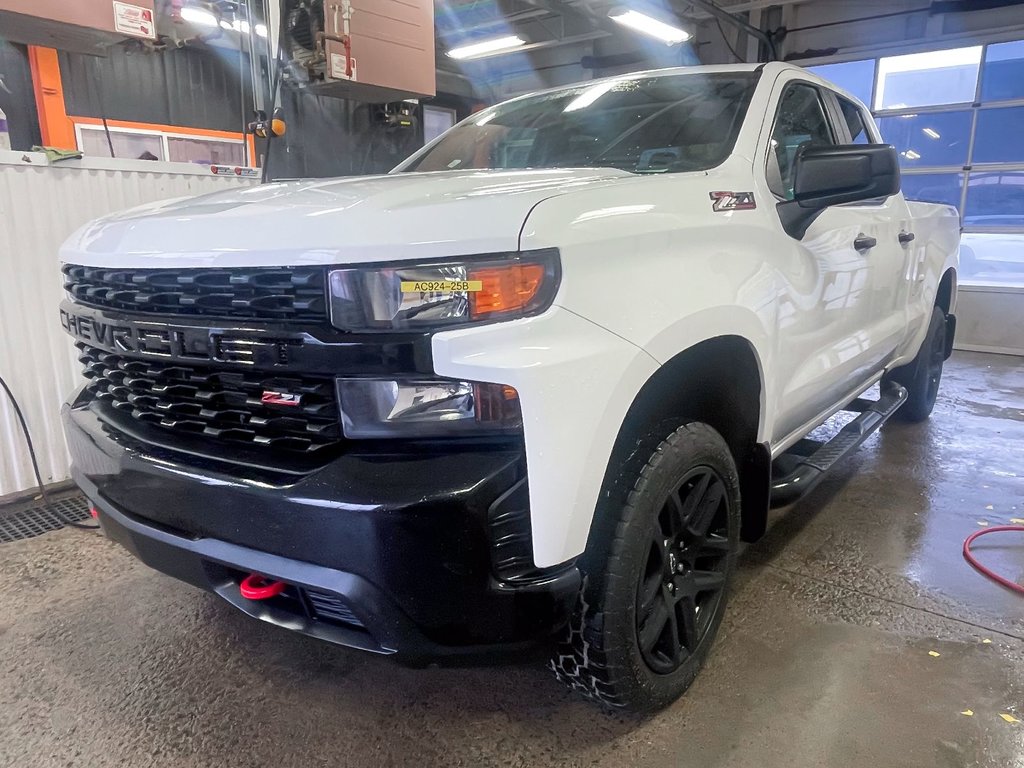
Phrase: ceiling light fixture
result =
(931, 132)
(487, 48)
(242, 27)
(198, 16)
(648, 25)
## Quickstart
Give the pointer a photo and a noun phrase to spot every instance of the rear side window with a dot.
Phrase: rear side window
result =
(854, 117)
(800, 120)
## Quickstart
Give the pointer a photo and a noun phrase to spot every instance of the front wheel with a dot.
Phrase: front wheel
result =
(922, 376)
(648, 613)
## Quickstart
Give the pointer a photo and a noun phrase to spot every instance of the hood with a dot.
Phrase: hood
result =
(400, 216)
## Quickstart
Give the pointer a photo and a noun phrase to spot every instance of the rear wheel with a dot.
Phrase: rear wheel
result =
(923, 375)
(650, 608)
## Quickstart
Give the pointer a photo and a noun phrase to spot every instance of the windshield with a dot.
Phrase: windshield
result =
(667, 123)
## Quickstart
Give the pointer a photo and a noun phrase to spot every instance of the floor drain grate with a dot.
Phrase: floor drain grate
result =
(36, 521)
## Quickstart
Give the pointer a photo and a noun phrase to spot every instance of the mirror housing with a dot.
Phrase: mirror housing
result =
(834, 175)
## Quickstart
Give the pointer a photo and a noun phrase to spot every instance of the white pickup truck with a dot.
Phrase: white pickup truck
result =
(533, 386)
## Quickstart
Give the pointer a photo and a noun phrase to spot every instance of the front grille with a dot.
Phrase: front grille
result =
(222, 405)
(294, 293)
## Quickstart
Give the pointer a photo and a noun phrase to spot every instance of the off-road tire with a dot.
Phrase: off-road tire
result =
(600, 655)
(923, 374)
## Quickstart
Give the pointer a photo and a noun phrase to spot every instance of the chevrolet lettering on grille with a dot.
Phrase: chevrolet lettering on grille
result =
(181, 343)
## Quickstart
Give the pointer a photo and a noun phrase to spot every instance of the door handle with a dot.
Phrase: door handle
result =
(864, 243)
(906, 238)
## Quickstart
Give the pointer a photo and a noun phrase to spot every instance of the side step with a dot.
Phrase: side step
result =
(804, 470)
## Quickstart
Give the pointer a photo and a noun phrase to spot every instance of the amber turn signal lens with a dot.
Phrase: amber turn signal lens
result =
(498, 405)
(505, 289)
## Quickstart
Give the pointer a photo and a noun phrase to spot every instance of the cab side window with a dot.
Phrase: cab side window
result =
(801, 119)
(854, 118)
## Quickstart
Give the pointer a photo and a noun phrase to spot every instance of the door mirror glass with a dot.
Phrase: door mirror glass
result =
(827, 176)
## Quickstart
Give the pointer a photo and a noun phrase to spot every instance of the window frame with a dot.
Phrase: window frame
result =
(164, 133)
(826, 110)
(81, 128)
(866, 118)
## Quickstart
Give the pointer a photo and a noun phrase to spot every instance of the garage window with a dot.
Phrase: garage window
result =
(205, 151)
(954, 116)
(160, 143)
(929, 140)
(926, 79)
(1003, 74)
(944, 188)
(127, 144)
(998, 138)
(856, 77)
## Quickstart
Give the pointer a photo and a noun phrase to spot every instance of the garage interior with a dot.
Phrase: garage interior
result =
(856, 633)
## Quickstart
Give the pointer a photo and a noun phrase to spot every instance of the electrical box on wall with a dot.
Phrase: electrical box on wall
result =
(369, 50)
(83, 26)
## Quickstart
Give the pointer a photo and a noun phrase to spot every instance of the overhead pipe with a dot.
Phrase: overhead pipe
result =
(728, 18)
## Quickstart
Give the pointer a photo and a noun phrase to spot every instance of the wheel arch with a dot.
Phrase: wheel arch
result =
(719, 381)
(945, 296)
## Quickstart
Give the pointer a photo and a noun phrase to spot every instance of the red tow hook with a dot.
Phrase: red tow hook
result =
(257, 587)
(94, 512)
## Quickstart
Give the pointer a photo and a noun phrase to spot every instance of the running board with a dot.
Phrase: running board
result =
(811, 468)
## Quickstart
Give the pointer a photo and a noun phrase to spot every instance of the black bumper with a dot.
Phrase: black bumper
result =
(392, 553)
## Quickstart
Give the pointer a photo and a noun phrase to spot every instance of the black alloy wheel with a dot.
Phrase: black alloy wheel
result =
(656, 578)
(923, 375)
(685, 573)
(936, 358)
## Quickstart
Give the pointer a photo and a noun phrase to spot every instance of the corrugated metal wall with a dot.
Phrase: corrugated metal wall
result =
(40, 205)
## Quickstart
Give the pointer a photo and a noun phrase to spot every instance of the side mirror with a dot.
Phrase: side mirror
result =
(833, 175)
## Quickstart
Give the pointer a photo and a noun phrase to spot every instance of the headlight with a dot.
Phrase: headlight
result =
(424, 407)
(428, 296)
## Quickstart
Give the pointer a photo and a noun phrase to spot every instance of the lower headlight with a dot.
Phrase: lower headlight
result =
(424, 407)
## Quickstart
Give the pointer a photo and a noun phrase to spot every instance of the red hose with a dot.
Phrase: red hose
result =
(969, 557)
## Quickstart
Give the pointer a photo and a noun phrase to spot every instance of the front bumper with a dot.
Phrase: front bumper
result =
(415, 554)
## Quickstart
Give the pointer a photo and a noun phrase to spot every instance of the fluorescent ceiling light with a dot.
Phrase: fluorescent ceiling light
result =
(931, 132)
(641, 22)
(198, 16)
(236, 26)
(589, 96)
(242, 27)
(486, 48)
(911, 155)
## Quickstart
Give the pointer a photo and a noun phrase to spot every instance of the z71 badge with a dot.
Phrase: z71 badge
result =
(733, 201)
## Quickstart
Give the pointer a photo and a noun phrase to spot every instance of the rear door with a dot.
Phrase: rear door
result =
(837, 285)
(893, 262)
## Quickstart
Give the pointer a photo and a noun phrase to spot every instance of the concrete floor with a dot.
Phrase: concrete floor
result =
(824, 658)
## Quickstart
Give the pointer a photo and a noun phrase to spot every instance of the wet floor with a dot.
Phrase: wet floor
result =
(827, 655)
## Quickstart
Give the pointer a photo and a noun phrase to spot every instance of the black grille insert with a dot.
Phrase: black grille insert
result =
(223, 405)
(293, 293)
(328, 606)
